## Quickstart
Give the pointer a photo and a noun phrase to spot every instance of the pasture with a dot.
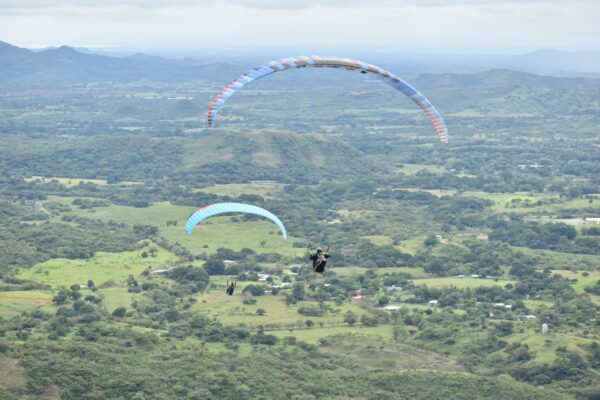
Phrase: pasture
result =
(266, 189)
(17, 301)
(461, 283)
(257, 234)
(101, 268)
(232, 311)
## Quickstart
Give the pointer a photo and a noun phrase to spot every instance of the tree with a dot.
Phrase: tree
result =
(61, 297)
(131, 281)
(214, 267)
(350, 318)
(255, 290)
(383, 301)
(431, 241)
(309, 323)
(119, 312)
(367, 320)
(298, 291)
(504, 328)
(260, 311)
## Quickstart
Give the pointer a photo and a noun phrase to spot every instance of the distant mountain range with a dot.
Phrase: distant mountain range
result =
(21, 68)
(65, 66)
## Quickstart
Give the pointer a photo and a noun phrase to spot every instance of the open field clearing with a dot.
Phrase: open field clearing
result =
(313, 335)
(544, 347)
(101, 268)
(582, 281)
(513, 200)
(561, 260)
(413, 169)
(231, 310)
(257, 234)
(17, 301)
(70, 182)
(265, 189)
(364, 349)
(461, 283)
(354, 271)
(113, 298)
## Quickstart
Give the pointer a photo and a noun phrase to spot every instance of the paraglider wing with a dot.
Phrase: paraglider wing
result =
(346, 63)
(223, 208)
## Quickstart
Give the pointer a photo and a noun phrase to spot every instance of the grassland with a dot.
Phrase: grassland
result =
(461, 283)
(266, 189)
(354, 271)
(564, 261)
(101, 268)
(70, 182)
(314, 335)
(231, 310)
(544, 347)
(206, 238)
(413, 169)
(15, 302)
(501, 200)
(114, 298)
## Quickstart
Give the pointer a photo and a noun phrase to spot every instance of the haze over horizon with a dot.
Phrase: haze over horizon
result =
(432, 26)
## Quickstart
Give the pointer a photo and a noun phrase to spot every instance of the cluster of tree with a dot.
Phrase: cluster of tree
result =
(552, 236)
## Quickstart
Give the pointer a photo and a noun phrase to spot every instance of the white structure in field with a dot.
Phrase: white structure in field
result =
(544, 329)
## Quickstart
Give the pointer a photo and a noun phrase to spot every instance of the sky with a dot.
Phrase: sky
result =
(427, 26)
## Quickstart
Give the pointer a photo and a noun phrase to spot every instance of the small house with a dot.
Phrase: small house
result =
(159, 271)
(432, 303)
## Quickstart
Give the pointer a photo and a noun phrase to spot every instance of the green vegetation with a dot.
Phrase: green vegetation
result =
(446, 260)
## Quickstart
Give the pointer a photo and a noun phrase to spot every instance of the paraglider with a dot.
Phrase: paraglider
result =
(331, 62)
(230, 288)
(224, 208)
(319, 259)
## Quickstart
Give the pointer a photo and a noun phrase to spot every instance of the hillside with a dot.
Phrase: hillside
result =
(64, 66)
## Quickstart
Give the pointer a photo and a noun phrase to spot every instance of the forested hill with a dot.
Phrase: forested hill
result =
(504, 78)
(217, 156)
(65, 66)
(25, 69)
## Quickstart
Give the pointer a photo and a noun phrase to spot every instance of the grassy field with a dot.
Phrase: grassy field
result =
(379, 240)
(582, 281)
(435, 192)
(114, 298)
(206, 238)
(69, 182)
(544, 346)
(461, 283)
(564, 261)
(231, 310)
(411, 246)
(266, 189)
(412, 169)
(15, 302)
(101, 268)
(502, 199)
(353, 271)
(260, 236)
(372, 349)
(313, 335)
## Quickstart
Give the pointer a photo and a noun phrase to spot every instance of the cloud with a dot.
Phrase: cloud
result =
(424, 25)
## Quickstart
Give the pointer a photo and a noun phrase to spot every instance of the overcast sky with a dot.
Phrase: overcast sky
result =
(450, 26)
